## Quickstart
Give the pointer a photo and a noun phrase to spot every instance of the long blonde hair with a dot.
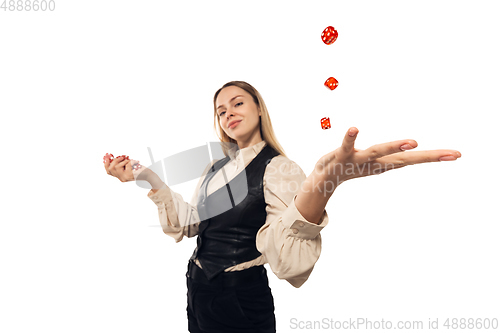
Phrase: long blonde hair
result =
(266, 128)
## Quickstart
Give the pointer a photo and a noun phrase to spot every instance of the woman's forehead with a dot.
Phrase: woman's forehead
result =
(227, 94)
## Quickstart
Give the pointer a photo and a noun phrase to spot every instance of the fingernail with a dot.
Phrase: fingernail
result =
(447, 158)
(406, 146)
(352, 132)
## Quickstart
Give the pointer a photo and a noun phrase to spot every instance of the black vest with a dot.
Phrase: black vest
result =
(231, 216)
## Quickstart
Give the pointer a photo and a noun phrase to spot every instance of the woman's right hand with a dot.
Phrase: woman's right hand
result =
(121, 168)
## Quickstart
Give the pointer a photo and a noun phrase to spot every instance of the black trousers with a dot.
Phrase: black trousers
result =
(233, 302)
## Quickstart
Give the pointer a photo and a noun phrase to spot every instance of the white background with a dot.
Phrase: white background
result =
(83, 252)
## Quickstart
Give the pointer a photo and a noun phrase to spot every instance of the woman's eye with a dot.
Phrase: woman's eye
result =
(220, 115)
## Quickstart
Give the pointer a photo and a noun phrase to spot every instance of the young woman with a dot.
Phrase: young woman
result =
(275, 214)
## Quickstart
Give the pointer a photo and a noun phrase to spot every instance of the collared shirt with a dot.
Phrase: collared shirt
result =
(287, 241)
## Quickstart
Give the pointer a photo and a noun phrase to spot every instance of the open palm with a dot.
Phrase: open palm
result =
(347, 162)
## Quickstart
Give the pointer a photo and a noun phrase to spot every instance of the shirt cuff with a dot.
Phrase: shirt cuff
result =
(297, 226)
(160, 197)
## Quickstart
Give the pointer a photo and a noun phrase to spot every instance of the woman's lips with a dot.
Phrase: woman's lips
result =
(234, 124)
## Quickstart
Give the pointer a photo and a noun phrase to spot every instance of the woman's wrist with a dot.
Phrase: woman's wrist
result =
(313, 196)
(153, 179)
(328, 175)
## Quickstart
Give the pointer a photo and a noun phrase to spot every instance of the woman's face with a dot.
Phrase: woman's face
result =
(239, 116)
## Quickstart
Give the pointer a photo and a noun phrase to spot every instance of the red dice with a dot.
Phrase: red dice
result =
(329, 35)
(325, 123)
(331, 83)
(110, 157)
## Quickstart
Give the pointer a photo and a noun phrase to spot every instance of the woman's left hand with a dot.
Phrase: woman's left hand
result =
(347, 162)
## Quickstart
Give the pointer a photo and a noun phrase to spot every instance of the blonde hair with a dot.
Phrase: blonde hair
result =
(266, 128)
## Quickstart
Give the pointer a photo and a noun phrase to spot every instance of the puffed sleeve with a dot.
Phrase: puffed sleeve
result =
(290, 243)
(177, 217)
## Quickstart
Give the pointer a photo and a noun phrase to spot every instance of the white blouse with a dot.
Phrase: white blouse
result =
(288, 242)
